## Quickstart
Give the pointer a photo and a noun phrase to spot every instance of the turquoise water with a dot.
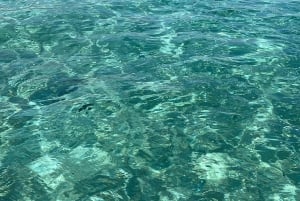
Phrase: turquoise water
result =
(149, 100)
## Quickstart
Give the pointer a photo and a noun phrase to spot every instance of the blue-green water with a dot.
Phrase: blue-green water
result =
(149, 100)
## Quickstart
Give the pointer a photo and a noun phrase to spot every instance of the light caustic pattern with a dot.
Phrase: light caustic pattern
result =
(149, 100)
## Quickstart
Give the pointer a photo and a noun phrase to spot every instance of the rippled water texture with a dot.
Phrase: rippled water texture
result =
(149, 100)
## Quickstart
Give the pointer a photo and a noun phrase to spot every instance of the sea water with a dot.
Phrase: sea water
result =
(149, 100)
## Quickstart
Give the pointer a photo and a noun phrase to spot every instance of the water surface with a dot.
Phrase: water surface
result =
(149, 100)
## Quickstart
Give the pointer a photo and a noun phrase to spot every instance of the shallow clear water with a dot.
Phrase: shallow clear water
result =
(149, 100)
